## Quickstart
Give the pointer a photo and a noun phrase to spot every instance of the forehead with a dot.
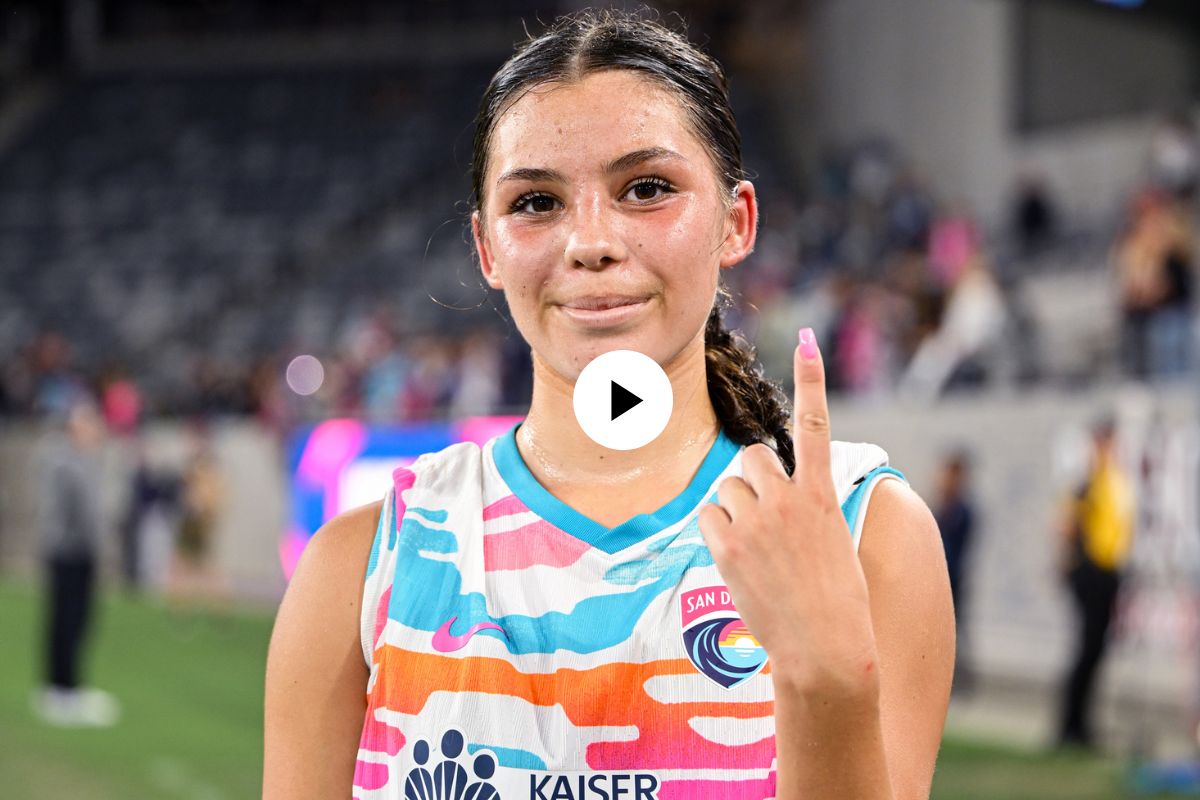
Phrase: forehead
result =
(600, 117)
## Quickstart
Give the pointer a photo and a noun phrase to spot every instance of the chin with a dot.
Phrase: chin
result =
(577, 349)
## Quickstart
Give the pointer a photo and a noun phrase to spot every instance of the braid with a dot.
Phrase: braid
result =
(750, 407)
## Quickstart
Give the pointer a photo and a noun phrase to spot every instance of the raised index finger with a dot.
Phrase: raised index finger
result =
(811, 428)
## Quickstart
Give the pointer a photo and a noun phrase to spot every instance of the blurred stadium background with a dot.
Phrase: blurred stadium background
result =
(242, 228)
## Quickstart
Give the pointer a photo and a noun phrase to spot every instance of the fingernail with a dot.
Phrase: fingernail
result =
(808, 344)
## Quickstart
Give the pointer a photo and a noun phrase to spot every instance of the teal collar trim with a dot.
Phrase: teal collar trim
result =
(611, 540)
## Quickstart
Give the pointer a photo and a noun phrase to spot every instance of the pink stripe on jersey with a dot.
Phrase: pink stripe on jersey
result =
(539, 542)
(370, 776)
(404, 478)
(726, 790)
(505, 506)
(381, 616)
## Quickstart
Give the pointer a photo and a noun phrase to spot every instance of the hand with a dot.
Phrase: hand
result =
(783, 548)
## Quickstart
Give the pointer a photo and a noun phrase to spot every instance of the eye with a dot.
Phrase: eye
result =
(533, 203)
(649, 188)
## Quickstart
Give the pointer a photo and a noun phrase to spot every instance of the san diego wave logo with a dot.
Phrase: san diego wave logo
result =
(448, 780)
(716, 640)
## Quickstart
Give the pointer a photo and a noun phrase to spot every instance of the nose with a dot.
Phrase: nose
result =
(594, 240)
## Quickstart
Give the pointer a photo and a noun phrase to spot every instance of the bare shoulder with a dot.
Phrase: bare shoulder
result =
(328, 580)
(898, 520)
(316, 677)
(900, 545)
(913, 619)
(341, 546)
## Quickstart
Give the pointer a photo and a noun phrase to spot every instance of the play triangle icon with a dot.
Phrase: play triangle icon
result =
(622, 399)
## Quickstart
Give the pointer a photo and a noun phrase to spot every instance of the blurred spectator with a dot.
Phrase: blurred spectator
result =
(970, 331)
(516, 372)
(478, 384)
(910, 213)
(1034, 218)
(71, 525)
(431, 384)
(269, 396)
(920, 302)
(56, 387)
(953, 246)
(1175, 157)
(954, 510)
(840, 288)
(1096, 535)
(193, 574)
(860, 342)
(872, 171)
(122, 403)
(381, 366)
(219, 387)
(152, 499)
(1154, 263)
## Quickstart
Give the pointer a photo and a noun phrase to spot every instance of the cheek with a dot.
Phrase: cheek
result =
(685, 246)
(686, 235)
(523, 256)
(682, 248)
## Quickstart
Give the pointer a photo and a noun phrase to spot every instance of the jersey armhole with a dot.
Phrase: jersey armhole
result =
(855, 507)
(380, 567)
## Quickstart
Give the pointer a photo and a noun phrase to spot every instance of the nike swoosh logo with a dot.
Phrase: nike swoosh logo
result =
(443, 642)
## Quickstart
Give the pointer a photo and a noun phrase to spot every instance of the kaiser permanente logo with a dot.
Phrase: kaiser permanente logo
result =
(715, 639)
(441, 774)
(600, 786)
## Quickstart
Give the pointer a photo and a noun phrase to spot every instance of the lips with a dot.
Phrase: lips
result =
(603, 302)
(604, 312)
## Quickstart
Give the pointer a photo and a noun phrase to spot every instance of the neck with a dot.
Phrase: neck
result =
(559, 453)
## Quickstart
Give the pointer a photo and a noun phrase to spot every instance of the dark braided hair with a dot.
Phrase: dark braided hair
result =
(750, 407)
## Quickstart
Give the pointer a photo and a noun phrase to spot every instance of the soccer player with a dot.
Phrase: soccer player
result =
(717, 614)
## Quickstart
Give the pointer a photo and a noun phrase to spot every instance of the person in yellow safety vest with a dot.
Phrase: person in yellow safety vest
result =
(1097, 536)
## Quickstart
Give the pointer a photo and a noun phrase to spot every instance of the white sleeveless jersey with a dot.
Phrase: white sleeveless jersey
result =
(520, 650)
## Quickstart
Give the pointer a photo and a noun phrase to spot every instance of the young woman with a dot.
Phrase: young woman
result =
(542, 617)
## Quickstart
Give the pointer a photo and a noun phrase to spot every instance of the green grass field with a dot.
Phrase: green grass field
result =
(192, 687)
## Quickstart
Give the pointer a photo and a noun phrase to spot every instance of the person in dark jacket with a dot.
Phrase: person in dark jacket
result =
(70, 520)
(955, 515)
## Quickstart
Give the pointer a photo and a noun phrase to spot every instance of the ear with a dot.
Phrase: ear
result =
(741, 226)
(485, 257)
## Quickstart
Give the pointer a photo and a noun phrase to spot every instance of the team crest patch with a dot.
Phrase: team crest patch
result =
(715, 639)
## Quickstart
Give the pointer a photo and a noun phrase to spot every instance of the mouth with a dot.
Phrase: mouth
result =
(603, 302)
(603, 311)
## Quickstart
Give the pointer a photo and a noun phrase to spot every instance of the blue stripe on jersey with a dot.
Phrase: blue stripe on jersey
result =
(434, 592)
(850, 508)
(611, 540)
(373, 560)
(510, 756)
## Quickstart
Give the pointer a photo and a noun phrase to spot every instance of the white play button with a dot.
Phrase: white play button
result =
(623, 399)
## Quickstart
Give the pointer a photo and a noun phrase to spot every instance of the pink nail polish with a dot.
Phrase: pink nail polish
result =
(808, 344)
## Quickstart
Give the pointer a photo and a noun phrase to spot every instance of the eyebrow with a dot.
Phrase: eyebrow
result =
(630, 160)
(625, 162)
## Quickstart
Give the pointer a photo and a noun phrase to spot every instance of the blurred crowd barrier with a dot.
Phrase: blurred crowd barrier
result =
(1028, 454)
(246, 526)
